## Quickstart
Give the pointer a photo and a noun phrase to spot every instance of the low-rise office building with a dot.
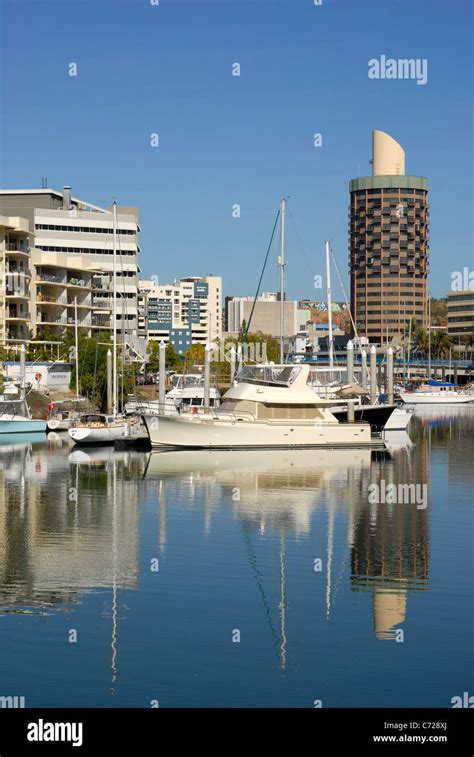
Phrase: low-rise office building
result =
(461, 314)
(265, 316)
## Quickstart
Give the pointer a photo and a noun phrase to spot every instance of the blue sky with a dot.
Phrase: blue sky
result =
(167, 69)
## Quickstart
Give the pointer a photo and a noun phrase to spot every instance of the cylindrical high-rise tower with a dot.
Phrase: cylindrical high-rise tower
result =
(388, 244)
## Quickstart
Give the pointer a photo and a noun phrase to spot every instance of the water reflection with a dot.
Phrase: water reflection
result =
(70, 520)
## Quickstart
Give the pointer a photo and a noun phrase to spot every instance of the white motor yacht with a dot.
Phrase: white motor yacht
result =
(268, 406)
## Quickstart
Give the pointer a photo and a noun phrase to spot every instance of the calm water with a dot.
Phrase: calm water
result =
(157, 561)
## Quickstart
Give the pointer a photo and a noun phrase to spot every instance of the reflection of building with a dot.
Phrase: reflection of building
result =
(65, 528)
(390, 544)
(388, 244)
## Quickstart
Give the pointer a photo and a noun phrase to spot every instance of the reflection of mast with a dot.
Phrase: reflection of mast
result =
(113, 643)
(329, 552)
(282, 606)
(161, 516)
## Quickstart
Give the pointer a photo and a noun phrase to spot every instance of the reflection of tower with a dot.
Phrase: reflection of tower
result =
(391, 544)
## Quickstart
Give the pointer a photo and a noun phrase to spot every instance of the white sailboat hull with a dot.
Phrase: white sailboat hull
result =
(211, 432)
(63, 424)
(104, 435)
(436, 398)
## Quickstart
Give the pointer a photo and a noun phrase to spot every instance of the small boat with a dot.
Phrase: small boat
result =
(268, 406)
(62, 415)
(437, 393)
(98, 428)
(188, 391)
(15, 416)
(186, 395)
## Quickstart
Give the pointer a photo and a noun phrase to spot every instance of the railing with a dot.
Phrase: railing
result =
(42, 319)
(50, 278)
(53, 300)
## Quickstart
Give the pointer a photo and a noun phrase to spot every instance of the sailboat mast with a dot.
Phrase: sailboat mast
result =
(281, 264)
(328, 285)
(429, 336)
(114, 311)
(76, 340)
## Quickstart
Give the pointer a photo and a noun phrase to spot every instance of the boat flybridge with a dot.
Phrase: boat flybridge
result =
(268, 406)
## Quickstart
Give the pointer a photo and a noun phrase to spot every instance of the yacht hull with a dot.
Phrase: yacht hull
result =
(22, 426)
(376, 415)
(107, 435)
(208, 432)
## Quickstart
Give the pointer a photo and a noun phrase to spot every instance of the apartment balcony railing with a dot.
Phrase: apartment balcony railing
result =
(43, 318)
(100, 321)
(18, 292)
(50, 278)
(17, 247)
(78, 282)
(82, 304)
(40, 297)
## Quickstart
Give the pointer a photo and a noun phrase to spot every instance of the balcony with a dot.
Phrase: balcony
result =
(49, 278)
(80, 283)
(49, 300)
(20, 247)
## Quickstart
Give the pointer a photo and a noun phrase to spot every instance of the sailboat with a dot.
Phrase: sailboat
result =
(15, 416)
(105, 428)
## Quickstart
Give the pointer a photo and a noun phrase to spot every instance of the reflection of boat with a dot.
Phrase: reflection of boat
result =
(17, 441)
(395, 440)
(286, 463)
(437, 393)
(446, 412)
(100, 454)
(269, 406)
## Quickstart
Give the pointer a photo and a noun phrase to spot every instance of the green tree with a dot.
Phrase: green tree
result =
(194, 356)
(172, 358)
(153, 352)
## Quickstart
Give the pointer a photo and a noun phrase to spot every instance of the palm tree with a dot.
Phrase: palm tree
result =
(441, 344)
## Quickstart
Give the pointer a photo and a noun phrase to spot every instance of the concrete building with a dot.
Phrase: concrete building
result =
(66, 226)
(388, 245)
(39, 290)
(461, 314)
(66, 282)
(183, 313)
(266, 314)
(17, 293)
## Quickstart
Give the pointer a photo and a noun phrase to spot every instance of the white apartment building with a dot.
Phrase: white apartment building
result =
(16, 287)
(183, 313)
(68, 227)
(42, 291)
(266, 314)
